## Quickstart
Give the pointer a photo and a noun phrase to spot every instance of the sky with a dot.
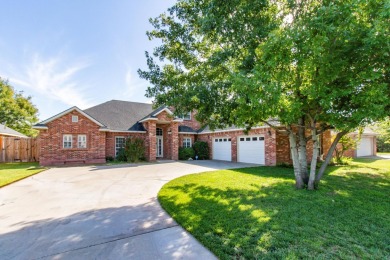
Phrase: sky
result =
(66, 53)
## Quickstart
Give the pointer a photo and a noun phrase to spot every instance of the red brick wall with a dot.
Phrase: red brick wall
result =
(283, 154)
(270, 142)
(192, 123)
(51, 141)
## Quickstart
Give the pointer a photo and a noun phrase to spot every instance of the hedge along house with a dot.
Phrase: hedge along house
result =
(92, 135)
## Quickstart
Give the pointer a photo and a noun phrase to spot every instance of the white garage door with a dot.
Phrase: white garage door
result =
(365, 147)
(251, 149)
(222, 149)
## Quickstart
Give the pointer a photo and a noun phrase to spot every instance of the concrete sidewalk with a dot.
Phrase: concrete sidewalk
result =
(98, 212)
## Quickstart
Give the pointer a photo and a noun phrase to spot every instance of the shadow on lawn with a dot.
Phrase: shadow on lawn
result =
(344, 219)
(71, 234)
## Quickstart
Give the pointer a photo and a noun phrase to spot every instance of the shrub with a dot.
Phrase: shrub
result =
(121, 156)
(134, 149)
(201, 150)
(186, 153)
(109, 158)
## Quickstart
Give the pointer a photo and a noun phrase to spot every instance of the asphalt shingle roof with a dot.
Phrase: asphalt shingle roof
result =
(186, 129)
(5, 130)
(120, 115)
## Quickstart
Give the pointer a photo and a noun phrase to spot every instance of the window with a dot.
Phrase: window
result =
(261, 138)
(82, 141)
(248, 138)
(254, 138)
(187, 142)
(75, 119)
(67, 141)
(242, 139)
(119, 144)
(185, 116)
(159, 132)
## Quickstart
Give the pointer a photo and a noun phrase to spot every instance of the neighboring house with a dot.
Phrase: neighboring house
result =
(91, 135)
(366, 146)
(9, 132)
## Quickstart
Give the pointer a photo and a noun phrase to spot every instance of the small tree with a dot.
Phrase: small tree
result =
(383, 139)
(345, 143)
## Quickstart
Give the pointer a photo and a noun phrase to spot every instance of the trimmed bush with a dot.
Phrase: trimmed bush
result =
(133, 151)
(201, 150)
(186, 153)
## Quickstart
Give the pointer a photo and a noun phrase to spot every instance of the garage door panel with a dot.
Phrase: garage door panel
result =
(251, 149)
(222, 149)
(365, 147)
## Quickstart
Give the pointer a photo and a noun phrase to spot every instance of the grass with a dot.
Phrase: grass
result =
(255, 213)
(11, 172)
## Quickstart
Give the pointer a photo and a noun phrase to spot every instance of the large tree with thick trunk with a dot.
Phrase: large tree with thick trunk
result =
(313, 65)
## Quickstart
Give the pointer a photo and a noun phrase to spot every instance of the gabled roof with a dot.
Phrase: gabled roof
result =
(153, 115)
(186, 130)
(119, 115)
(42, 125)
(5, 130)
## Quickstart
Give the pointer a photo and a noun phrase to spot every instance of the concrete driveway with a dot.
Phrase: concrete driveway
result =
(97, 212)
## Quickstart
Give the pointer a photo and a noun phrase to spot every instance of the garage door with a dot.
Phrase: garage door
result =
(251, 149)
(222, 149)
(365, 147)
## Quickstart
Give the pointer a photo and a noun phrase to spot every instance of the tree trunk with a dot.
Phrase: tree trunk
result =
(302, 151)
(328, 157)
(313, 166)
(299, 184)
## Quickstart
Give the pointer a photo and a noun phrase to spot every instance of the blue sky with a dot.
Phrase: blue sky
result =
(81, 53)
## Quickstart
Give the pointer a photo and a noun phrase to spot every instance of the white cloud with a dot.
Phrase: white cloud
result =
(54, 78)
(135, 88)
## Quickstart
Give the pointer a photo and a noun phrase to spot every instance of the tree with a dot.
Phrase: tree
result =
(345, 143)
(17, 111)
(313, 65)
(383, 139)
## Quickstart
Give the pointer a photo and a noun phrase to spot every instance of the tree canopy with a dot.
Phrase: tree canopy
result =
(314, 65)
(17, 111)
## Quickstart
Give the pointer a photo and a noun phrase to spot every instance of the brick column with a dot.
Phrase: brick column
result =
(175, 141)
(270, 148)
(151, 139)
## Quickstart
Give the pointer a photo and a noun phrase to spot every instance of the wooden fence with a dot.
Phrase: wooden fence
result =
(16, 149)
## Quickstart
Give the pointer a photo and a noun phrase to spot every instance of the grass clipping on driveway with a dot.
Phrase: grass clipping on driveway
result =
(256, 213)
(11, 172)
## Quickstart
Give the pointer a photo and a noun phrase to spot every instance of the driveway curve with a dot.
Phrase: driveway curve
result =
(97, 212)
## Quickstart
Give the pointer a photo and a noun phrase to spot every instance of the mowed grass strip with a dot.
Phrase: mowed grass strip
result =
(11, 172)
(255, 213)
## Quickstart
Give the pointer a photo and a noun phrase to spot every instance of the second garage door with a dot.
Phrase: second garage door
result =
(251, 149)
(365, 147)
(222, 149)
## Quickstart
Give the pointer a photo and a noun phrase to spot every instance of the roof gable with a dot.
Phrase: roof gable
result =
(5, 130)
(43, 123)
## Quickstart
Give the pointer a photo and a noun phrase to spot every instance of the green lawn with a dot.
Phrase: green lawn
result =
(11, 172)
(256, 213)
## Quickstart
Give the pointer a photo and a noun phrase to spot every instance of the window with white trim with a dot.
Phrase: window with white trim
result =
(82, 141)
(185, 116)
(75, 119)
(119, 144)
(186, 142)
(67, 141)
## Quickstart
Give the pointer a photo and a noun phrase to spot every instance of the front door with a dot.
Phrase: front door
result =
(159, 142)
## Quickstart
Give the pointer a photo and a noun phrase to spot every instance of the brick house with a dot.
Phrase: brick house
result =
(91, 135)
